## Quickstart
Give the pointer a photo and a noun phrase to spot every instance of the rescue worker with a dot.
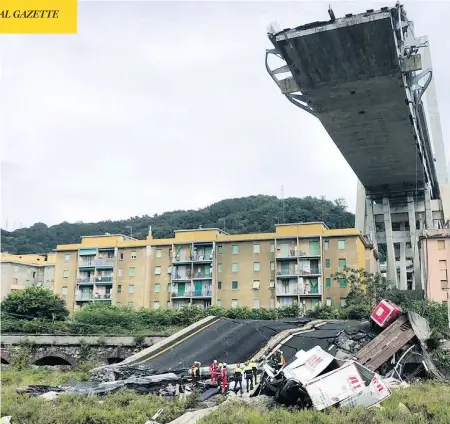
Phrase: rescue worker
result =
(214, 369)
(254, 371)
(223, 377)
(248, 376)
(195, 373)
(219, 374)
(281, 361)
(238, 379)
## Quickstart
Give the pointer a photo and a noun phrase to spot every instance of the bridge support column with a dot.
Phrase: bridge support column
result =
(414, 242)
(361, 208)
(402, 282)
(391, 267)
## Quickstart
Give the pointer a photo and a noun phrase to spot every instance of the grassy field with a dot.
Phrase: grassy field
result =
(428, 403)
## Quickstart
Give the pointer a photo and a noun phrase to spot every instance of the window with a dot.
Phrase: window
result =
(157, 288)
(219, 303)
(34, 274)
(342, 264)
(219, 285)
(272, 265)
(328, 301)
(155, 304)
(256, 266)
(234, 303)
(443, 270)
(169, 287)
(235, 267)
(120, 272)
(219, 249)
(158, 255)
(328, 283)
(119, 288)
(256, 248)
(343, 302)
(327, 263)
(169, 269)
(64, 291)
(15, 281)
(67, 257)
(130, 304)
(255, 303)
(219, 268)
(157, 270)
(326, 245)
(272, 247)
(441, 244)
(16, 268)
(235, 249)
(66, 273)
(121, 256)
(256, 284)
(341, 244)
(234, 285)
(133, 254)
(131, 289)
(132, 271)
(27, 283)
(342, 283)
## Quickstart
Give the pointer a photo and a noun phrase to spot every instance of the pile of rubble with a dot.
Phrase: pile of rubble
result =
(330, 363)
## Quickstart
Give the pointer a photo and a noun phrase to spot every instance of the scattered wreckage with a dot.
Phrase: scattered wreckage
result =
(358, 366)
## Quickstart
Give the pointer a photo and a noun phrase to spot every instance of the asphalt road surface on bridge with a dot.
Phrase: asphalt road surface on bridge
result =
(227, 340)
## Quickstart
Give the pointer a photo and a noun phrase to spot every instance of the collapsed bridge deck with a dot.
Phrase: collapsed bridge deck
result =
(351, 74)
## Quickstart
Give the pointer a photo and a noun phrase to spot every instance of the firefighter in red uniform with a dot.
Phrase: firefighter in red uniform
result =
(223, 378)
(214, 368)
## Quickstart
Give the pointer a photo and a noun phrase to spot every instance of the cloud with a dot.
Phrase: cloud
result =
(156, 106)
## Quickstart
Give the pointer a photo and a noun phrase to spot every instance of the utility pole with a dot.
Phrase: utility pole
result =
(131, 230)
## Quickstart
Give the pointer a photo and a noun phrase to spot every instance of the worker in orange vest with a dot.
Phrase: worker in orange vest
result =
(223, 377)
(214, 368)
(195, 373)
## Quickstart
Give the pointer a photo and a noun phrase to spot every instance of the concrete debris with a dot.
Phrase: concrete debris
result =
(328, 364)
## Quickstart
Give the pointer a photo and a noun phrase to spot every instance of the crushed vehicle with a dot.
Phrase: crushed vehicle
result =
(317, 379)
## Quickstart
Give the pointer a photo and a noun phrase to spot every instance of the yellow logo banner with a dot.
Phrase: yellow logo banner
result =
(38, 16)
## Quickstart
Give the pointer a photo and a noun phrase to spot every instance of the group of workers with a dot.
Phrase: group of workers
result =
(249, 371)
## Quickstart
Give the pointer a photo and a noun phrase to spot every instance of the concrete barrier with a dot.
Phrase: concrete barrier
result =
(169, 342)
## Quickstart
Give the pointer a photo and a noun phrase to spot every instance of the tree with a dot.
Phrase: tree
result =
(35, 303)
(366, 289)
(243, 215)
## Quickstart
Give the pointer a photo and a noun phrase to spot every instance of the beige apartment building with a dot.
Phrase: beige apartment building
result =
(435, 258)
(210, 267)
(21, 271)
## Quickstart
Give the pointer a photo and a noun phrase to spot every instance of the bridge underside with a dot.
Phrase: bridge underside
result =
(351, 78)
(362, 76)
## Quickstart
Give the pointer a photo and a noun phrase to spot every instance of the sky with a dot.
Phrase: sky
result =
(158, 106)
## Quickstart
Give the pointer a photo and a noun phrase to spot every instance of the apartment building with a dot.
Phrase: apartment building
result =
(109, 268)
(435, 263)
(210, 267)
(21, 271)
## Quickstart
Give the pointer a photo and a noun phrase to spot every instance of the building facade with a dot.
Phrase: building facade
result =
(21, 271)
(435, 258)
(206, 267)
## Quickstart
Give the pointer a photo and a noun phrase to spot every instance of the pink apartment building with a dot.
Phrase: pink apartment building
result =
(435, 258)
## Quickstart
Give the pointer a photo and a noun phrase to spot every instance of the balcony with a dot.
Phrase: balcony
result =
(186, 293)
(199, 257)
(86, 280)
(287, 255)
(202, 293)
(182, 277)
(181, 259)
(287, 291)
(202, 275)
(105, 263)
(310, 288)
(310, 254)
(104, 280)
(287, 273)
(86, 263)
(309, 272)
(91, 297)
